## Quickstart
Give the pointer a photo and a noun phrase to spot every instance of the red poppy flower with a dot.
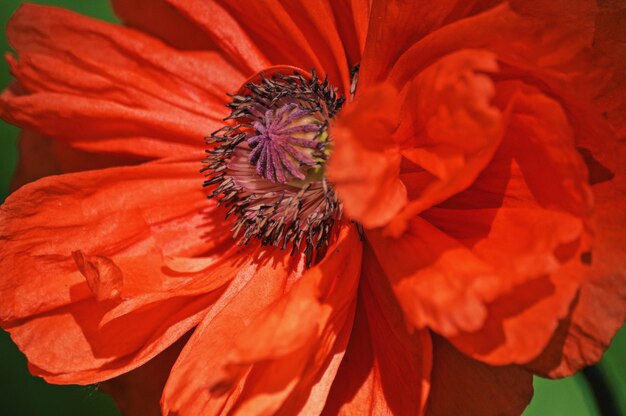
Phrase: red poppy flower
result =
(426, 202)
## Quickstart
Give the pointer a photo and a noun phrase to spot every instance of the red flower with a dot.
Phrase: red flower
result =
(482, 157)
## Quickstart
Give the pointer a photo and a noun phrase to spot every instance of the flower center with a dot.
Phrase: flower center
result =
(267, 165)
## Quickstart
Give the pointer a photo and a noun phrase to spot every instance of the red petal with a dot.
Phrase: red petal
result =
(530, 199)
(268, 32)
(505, 336)
(279, 357)
(352, 20)
(116, 91)
(227, 33)
(70, 346)
(365, 162)
(450, 130)
(187, 390)
(41, 156)
(386, 369)
(462, 386)
(526, 215)
(117, 212)
(126, 222)
(36, 159)
(536, 172)
(504, 232)
(163, 21)
(439, 282)
(138, 392)
(608, 39)
(103, 276)
(395, 28)
(447, 132)
(600, 309)
(290, 342)
(556, 50)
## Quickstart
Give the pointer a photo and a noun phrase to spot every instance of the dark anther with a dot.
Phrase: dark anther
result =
(354, 79)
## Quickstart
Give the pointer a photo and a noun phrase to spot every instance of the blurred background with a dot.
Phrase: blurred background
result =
(24, 395)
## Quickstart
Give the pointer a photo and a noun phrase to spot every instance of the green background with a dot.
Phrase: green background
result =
(24, 395)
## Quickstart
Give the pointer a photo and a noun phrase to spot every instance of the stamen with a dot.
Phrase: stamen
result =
(267, 167)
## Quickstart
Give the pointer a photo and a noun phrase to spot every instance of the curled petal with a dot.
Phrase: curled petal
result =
(104, 278)
(528, 213)
(365, 162)
(449, 132)
(439, 283)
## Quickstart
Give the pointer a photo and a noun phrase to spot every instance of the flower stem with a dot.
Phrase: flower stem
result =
(602, 393)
